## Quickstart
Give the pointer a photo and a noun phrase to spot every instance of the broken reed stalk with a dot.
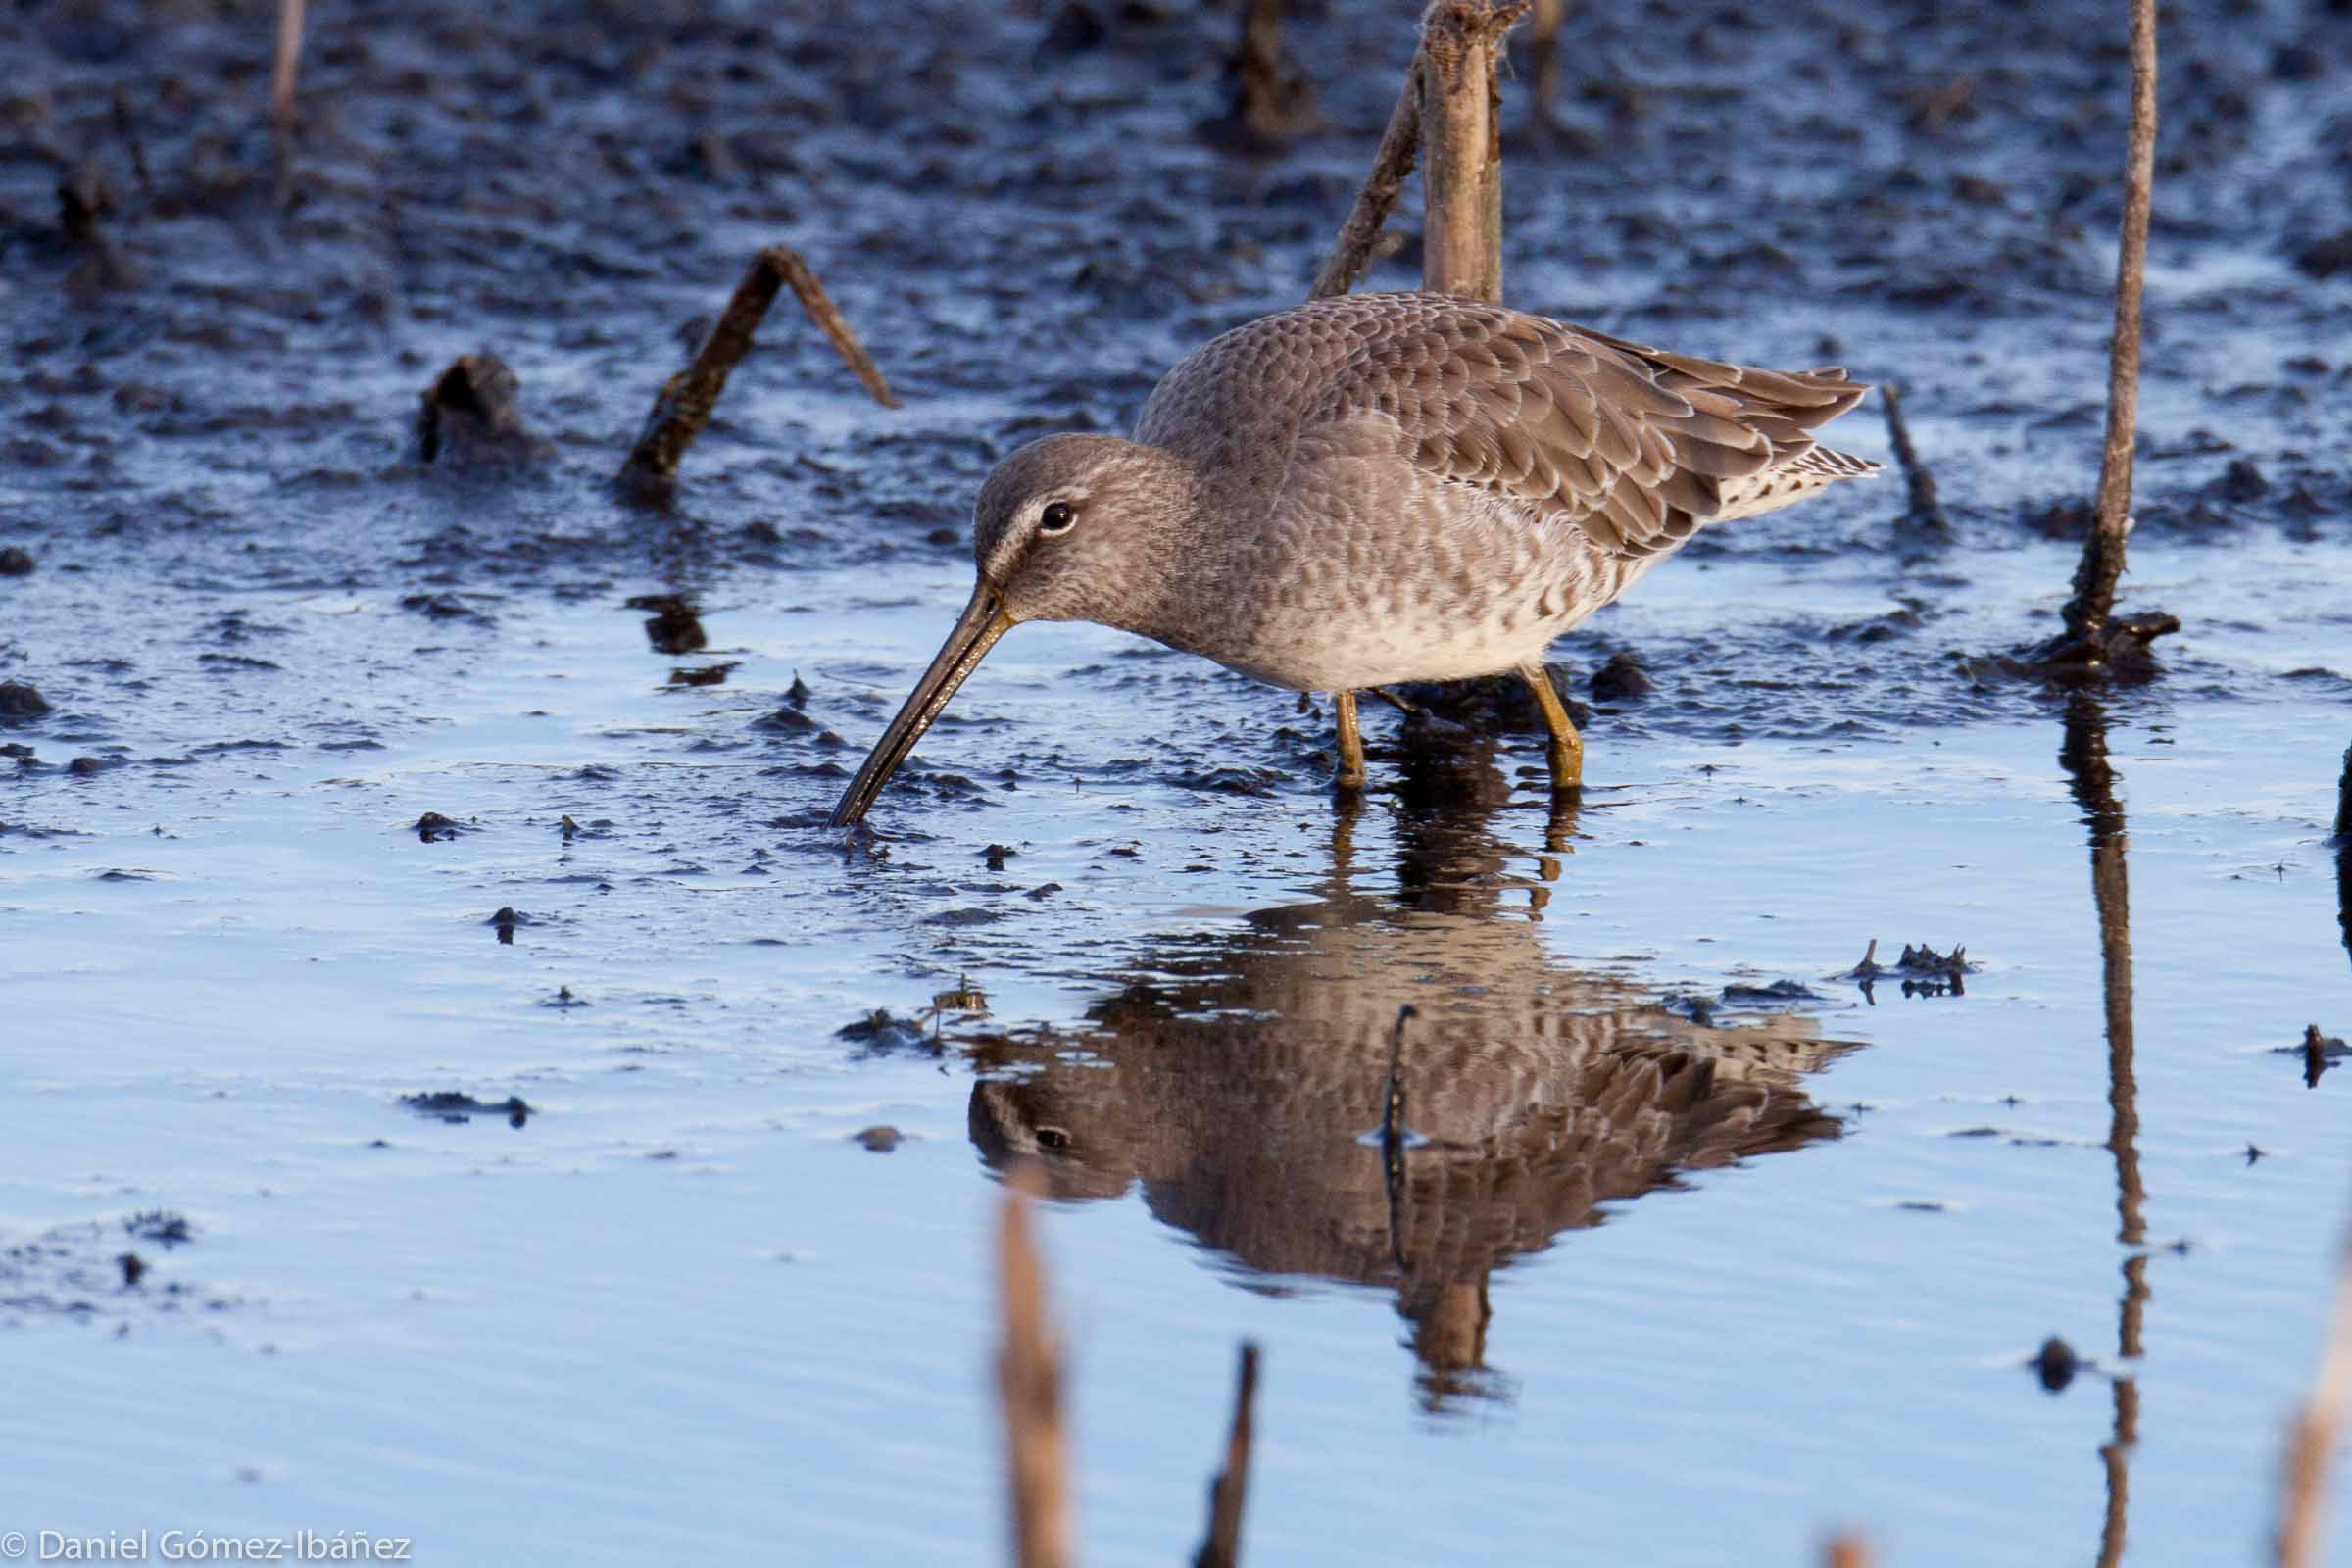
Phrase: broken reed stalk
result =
(1461, 162)
(1544, 52)
(827, 316)
(1271, 101)
(1029, 1380)
(1229, 1489)
(1925, 509)
(1846, 1552)
(2312, 1442)
(1448, 109)
(289, 61)
(2102, 563)
(688, 398)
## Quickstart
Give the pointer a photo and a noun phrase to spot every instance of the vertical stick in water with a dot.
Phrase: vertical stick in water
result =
(289, 61)
(1544, 50)
(2103, 552)
(1462, 151)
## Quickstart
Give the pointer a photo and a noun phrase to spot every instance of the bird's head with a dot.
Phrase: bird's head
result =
(1081, 527)
(1072, 527)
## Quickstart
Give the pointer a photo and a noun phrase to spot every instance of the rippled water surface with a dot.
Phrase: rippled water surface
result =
(1698, 1247)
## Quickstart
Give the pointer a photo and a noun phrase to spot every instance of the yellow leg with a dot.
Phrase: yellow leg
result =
(1352, 743)
(1567, 755)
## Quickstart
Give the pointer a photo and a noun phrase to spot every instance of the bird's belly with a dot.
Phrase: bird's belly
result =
(1368, 637)
(1351, 654)
(1473, 590)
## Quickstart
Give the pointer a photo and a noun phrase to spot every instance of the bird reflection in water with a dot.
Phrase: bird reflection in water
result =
(1243, 1086)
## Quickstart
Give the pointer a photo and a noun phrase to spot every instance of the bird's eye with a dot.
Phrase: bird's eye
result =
(1057, 517)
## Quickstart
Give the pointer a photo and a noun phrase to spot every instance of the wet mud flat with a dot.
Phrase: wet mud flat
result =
(367, 799)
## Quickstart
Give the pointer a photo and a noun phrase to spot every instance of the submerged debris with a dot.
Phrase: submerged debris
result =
(675, 625)
(1621, 680)
(2324, 258)
(2319, 1052)
(472, 414)
(877, 1139)
(1252, 782)
(81, 1273)
(432, 827)
(450, 1105)
(2056, 1364)
(1778, 994)
(1915, 962)
(1923, 971)
(881, 1030)
(965, 998)
(20, 701)
(162, 1226)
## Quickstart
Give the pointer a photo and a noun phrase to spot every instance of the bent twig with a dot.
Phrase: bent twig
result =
(1925, 509)
(688, 398)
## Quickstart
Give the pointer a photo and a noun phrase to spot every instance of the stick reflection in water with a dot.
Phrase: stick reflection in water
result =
(2084, 757)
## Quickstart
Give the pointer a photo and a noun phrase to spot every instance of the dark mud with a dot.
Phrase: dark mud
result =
(1024, 223)
(321, 637)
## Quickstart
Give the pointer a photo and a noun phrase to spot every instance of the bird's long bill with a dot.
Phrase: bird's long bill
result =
(977, 629)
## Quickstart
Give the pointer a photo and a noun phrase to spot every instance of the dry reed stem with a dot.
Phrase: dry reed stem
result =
(2102, 563)
(1382, 189)
(289, 61)
(2312, 1442)
(1029, 1380)
(1543, 51)
(1461, 147)
(1271, 102)
(1229, 1490)
(688, 398)
(827, 316)
(1925, 509)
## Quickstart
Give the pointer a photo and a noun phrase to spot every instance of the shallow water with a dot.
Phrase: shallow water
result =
(682, 1276)
(1674, 1275)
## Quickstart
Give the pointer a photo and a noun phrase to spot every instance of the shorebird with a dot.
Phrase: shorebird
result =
(1376, 488)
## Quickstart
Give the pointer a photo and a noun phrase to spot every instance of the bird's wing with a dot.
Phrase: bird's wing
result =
(1634, 446)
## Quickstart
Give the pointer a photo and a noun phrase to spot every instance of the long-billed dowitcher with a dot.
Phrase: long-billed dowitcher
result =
(1379, 488)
